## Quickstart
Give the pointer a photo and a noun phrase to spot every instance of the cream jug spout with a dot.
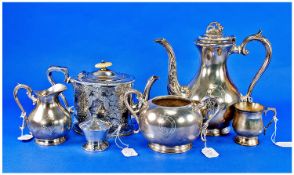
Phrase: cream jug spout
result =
(174, 87)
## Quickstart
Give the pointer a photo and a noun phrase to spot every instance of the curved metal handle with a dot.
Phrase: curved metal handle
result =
(242, 49)
(64, 70)
(136, 108)
(29, 93)
(274, 119)
(212, 107)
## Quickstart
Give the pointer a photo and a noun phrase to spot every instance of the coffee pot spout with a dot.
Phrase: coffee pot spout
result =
(174, 87)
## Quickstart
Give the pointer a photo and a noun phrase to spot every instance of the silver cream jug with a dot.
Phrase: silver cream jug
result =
(213, 77)
(49, 122)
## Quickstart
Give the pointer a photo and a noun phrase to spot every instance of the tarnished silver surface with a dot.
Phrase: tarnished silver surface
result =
(49, 122)
(248, 122)
(102, 88)
(213, 77)
(169, 123)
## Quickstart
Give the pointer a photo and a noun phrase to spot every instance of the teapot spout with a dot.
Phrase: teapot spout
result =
(174, 87)
(148, 86)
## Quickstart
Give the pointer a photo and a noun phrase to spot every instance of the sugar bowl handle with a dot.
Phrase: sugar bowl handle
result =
(64, 70)
(242, 50)
(29, 94)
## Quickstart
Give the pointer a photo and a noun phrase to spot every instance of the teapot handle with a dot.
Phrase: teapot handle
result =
(242, 49)
(64, 70)
(29, 94)
(135, 108)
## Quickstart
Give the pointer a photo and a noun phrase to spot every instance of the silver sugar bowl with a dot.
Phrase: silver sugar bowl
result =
(95, 131)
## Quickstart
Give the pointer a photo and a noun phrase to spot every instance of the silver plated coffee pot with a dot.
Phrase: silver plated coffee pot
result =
(213, 76)
(49, 122)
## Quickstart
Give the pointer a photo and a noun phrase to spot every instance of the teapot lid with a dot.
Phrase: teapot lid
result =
(214, 36)
(104, 75)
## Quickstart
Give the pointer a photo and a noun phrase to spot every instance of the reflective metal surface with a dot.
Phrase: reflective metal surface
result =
(248, 122)
(104, 88)
(212, 77)
(169, 123)
(49, 122)
(95, 131)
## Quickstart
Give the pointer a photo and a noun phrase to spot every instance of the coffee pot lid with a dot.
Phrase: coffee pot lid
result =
(214, 36)
(104, 75)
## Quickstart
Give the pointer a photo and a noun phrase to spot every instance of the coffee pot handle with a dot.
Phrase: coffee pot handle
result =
(134, 108)
(29, 94)
(63, 70)
(274, 119)
(242, 50)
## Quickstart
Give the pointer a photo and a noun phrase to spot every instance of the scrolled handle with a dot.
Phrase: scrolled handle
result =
(212, 106)
(274, 119)
(135, 109)
(64, 70)
(242, 50)
(29, 94)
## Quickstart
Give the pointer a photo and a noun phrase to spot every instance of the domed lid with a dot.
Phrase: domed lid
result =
(214, 36)
(104, 75)
(94, 123)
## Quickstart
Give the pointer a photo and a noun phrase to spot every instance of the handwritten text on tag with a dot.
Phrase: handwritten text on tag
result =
(129, 152)
(209, 152)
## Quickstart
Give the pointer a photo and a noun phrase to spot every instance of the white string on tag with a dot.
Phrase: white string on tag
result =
(209, 152)
(273, 137)
(126, 151)
(24, 137)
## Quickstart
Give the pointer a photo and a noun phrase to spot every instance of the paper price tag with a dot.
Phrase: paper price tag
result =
(129, 152)
(284, 144)
(209, 152)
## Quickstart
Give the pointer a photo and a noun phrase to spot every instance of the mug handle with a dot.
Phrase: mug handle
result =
(135, 108)
(63, 70)
(273, 119)
(242, 50)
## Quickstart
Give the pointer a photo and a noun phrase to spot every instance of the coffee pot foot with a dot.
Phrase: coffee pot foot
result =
(218, 132)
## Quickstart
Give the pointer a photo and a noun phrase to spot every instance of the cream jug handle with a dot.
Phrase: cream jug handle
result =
(29, 93)
(64, 70)
(242, 49)
(135, 109)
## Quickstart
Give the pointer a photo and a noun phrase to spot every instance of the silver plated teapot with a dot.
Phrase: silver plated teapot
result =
(213, 76)
(49, 122)
(101, 88)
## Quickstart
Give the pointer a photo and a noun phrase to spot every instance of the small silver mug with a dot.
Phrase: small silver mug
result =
(248, 122)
